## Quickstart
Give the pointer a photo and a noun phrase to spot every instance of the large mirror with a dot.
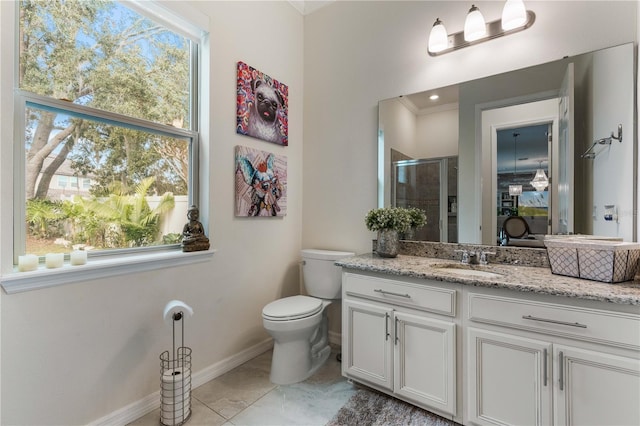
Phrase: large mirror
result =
(490, 137)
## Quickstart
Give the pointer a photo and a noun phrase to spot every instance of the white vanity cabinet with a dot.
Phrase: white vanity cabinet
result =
(533, 362)
(400, 337)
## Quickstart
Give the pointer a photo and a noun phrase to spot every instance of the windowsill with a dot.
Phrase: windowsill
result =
(17, 282)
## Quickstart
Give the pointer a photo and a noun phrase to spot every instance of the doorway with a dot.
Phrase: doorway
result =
(521, 154)
(510, 119)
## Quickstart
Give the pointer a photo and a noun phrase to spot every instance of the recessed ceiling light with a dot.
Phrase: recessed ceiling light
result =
(434, 97)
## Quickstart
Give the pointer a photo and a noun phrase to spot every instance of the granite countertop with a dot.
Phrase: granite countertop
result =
(511, 277)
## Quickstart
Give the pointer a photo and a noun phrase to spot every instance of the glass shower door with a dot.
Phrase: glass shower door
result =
(424, 184)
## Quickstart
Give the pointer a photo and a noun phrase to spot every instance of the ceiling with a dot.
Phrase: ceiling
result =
(528, 150)
(305, 7)
(420, 103)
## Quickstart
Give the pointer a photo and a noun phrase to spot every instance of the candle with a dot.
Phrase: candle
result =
(54, 260)
(28, 262)
(78, 257)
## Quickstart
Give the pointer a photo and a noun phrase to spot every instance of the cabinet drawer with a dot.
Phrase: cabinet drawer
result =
(619, 329)
(417, 296)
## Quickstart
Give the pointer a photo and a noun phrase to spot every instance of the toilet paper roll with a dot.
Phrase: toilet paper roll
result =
(174, 419)
(169, 405)
(176, 396)
(170, 400)
(174, 415)
(176, 380)
(174, 307)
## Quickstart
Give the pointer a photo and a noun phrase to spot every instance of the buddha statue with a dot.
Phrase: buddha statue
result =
(193, 237)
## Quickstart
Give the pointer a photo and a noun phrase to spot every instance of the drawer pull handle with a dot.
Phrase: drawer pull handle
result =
(572, 324)
(390, 293)
(561, 364)
(395, 330)
(544, 368)
(386, 326)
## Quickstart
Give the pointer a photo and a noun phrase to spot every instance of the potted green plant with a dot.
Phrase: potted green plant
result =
(389, 222)
(418, 220)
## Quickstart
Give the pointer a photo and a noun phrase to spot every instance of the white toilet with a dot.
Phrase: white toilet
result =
(298, 324)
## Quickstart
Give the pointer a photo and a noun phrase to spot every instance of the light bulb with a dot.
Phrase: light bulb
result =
(514, 15)
(438, 39)
(474, 26)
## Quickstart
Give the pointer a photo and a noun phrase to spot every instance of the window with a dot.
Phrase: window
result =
(107, 120)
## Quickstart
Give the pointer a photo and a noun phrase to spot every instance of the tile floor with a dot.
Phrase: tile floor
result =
(245, 396)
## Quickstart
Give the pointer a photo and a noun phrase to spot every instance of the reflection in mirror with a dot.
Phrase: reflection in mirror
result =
(591, 95)
(430, 185)
(520, 154)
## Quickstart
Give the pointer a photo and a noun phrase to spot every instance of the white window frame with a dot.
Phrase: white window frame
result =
(12, 117)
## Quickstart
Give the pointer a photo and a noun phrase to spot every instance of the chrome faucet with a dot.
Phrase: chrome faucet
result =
(467, 256)
(483, 257)
(470, 257)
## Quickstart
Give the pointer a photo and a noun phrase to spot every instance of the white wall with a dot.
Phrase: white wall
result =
(437, 134)
(357, 53)
(613, 163)
(81, 351)
(6, 71)
(398, 127)
(423, 135)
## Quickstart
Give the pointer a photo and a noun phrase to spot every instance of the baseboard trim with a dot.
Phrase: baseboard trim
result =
(335, 338)
(151, 402)
(228, 364)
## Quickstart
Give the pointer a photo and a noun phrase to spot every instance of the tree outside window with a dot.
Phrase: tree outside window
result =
(106, 97)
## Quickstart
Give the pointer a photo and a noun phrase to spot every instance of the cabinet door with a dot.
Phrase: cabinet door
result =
(507, 379)
(367, 343)
(425, 361)
(594, 388)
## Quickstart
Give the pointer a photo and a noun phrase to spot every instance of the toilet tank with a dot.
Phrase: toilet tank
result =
(321, 277)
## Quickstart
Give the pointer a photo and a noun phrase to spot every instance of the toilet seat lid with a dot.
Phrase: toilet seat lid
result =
(291, 308)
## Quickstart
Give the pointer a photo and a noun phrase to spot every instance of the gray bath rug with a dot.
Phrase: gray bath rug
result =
(371, 408)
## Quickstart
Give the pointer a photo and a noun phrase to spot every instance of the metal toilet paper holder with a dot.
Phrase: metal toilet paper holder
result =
(175, 379)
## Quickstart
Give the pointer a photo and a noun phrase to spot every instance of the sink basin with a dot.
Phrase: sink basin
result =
(466, 270)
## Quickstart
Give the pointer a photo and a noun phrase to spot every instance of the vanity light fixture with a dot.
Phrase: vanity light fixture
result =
(438, 40)
(475, 26)
(515, 189)
(514, 15)
(515, 18)
(540, 180)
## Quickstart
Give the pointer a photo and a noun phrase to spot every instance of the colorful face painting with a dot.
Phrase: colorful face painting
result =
(261, 183)
(262, 106)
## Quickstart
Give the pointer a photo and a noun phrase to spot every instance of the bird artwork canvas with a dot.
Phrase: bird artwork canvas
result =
(261, 183)
(262, 106)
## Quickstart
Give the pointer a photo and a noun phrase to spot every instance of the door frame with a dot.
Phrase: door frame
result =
(490, 122)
